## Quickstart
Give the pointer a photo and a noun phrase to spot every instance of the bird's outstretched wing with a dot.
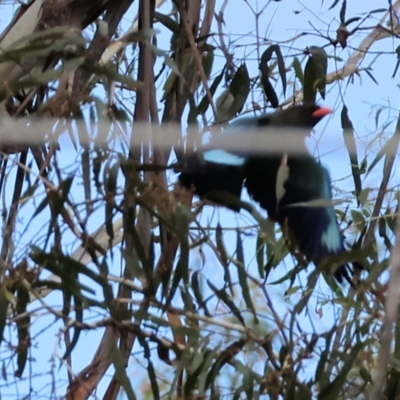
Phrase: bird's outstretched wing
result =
(211, 172)
(214, 169)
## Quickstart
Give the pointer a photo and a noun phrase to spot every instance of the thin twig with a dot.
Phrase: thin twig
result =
(197, 59)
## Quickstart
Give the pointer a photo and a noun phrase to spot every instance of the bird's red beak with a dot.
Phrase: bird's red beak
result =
(322, 112)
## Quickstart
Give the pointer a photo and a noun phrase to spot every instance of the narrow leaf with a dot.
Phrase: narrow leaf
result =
(225, 298)
(195, 284)
(239, 89)
(298, 70)
(3, 310)
(243, 276)
(120, 373)
(388, 148)
(349, 139)
(260, 248)
(333, 389)
(167, 21)
(266, 72)
(224, 257)
(334, 4)
(342, 14)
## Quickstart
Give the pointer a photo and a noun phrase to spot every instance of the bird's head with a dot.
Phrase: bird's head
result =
(301, 116)
(308, 115)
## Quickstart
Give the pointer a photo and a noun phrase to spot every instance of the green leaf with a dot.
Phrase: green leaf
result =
(351, 20)
(140, 249)
(208, 62)
(59, 198)
(225, 356)
(281, 68)
(225, 298)
(369, 73)
(167, 21)
(269, 90)
(397, 62)
(133, 265)
(309, 91)
(260, 249)
(315, 74)
(85, 159)
(167, 59)
(298, 70)
(320, 375)
(201, 109)
(40, 37)
(43, 204)
(23, 324)
(195, 284)
(342, 15)
(235, 97)
(334, 4)
(303, 392)
(110, 72)
(388, 148)
(181, 219)
(363, 196)
(293, 289)
(223, 104)
(391, 216)
(333, 389)
(248, 384)
(311, 282)
(111, 185)
(376, 11)
(239, 88)
(365, 375)
(266, 72)
(150, 368)
(209, 357)
(224, 257)
(243, 276)
(62, 266)
(383, 234)
(349, 139)
(78, 305)
(120, 372)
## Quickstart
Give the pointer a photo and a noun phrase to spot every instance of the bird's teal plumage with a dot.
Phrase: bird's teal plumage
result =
(219, 156)
(330, 237)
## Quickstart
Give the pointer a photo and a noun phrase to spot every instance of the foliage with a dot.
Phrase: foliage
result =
(182, 299)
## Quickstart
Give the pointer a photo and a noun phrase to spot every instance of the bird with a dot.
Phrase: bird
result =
(293, 188)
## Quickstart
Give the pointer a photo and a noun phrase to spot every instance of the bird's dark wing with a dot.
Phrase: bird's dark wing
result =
(261, 182)
(214, 169)
(211, 171)
(313, 225)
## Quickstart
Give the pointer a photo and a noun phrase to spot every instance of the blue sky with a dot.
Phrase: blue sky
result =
(279, 22)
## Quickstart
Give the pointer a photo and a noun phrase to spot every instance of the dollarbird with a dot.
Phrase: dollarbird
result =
(293, 187)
